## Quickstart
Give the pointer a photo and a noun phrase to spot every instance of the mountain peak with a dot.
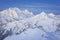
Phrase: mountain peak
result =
(16, 13)
(9, 12)
(26, 12)
(14, 8)
(43, 14)
(51, 14)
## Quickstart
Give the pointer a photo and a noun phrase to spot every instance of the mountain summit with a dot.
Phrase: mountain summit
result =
(16, 13)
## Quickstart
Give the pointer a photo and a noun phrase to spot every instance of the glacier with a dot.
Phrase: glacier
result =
(16, 24)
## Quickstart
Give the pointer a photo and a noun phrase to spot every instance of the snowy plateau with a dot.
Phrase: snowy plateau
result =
(16, 24)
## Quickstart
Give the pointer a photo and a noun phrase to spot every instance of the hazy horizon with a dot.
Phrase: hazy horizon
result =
(36, 6)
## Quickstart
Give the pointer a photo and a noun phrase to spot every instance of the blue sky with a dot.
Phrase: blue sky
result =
(35, 6)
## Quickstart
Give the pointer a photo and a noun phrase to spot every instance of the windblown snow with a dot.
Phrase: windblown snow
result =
(16, 24)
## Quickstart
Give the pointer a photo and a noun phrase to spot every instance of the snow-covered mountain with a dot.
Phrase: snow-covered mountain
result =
(14, 21)
(13, 14)
(16, 13)
(49, 24)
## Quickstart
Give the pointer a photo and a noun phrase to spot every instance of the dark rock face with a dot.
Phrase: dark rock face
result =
(58, 29)
(4, 33)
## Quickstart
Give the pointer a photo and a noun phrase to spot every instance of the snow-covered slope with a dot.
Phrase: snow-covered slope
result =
(48, 24)
(14, 21)
(13, 14)
(34, 34)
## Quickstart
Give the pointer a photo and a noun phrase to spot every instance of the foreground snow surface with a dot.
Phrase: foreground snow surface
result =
(34, 34)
